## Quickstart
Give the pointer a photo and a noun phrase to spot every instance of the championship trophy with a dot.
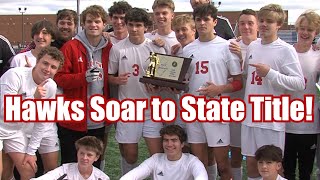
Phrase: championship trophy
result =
(166, 71)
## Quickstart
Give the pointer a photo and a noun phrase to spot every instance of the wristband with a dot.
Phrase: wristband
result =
(237, 85)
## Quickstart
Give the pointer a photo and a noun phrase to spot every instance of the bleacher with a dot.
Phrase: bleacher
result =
(290, 36)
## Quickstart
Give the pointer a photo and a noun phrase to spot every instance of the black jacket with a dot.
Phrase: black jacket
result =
(223, 29)
(6, 52)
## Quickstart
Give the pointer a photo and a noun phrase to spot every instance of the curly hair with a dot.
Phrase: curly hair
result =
(120, 7)
(54, 52)
(138, 15)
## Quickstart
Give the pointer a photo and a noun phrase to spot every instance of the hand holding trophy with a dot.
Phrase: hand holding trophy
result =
(166, 71)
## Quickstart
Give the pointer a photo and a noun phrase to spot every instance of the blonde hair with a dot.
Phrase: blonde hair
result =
(183, 19)
(273, 10)
(312, 18)
(160, 3)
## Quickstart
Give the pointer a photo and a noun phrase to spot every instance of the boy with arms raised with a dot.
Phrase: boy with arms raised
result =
(272, 67)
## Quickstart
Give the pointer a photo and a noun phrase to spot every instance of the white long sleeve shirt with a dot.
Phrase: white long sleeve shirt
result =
(310, 64)
(20, 81)
(188, 167)
(285, 75)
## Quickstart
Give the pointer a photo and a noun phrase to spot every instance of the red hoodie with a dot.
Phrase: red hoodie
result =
(71, 78)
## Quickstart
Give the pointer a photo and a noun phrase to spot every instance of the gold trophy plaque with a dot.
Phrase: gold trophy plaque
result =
(166, 71)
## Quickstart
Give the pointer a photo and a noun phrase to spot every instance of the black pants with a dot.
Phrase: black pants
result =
(68, 138)
(303, 148)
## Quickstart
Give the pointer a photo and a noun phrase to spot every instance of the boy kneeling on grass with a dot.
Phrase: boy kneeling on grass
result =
(89, 149)
(269, 159)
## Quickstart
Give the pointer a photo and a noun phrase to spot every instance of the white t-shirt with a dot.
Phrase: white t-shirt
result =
(211, 61)
(285, 74)
(20, 81)
(188, 167)
(72, 172)
(113, 39)
(19, 60)
(309, 62)
(278, 178)
(170, 40)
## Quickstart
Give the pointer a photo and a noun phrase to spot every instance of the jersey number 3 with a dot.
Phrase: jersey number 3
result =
(135, 70)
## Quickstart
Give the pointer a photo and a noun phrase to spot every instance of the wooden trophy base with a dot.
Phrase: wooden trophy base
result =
(164, 83)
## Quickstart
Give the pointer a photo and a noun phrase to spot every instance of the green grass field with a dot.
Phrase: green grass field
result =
(113, 170)
(112, 158)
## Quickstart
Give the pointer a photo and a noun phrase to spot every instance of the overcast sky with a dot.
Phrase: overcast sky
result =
(295, 7)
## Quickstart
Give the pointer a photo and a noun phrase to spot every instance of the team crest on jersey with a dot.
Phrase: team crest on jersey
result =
(124, 57)
(191, 56)
(250, 57)
(80, 59)
(160, 173)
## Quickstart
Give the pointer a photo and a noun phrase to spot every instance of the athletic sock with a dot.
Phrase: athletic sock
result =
(212, 172)
(126, 167)
(102, 165)
(236, 173)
